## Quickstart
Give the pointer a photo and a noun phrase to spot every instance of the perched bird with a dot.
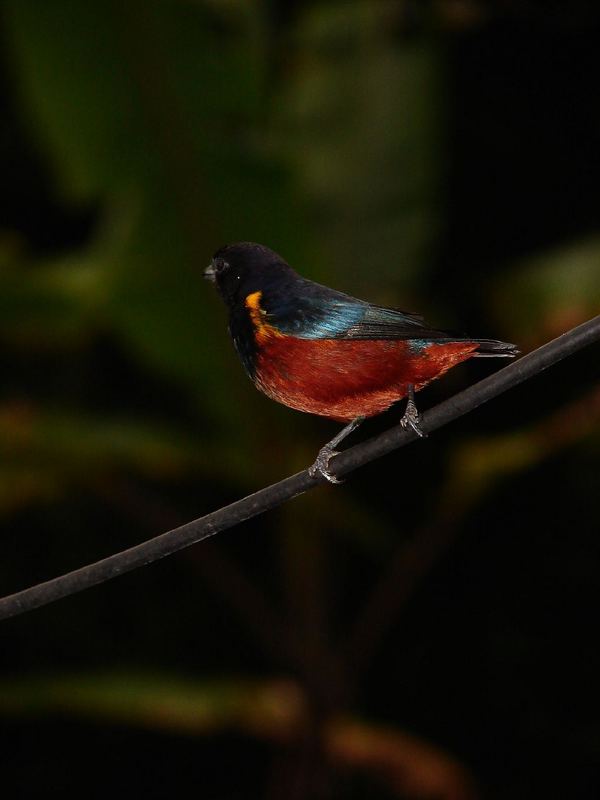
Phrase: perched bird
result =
(323, 352)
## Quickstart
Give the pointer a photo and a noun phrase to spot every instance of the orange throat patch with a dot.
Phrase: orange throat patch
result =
(262, 330)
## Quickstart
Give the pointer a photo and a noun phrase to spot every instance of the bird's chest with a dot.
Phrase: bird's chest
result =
(337, 378)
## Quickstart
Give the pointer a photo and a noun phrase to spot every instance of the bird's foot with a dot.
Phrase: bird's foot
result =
(411, 414)
(328, 451)
(321, 465)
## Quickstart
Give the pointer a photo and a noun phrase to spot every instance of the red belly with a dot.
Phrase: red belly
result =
(343, 379)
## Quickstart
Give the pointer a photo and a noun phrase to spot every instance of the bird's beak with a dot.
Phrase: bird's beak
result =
(209, 272)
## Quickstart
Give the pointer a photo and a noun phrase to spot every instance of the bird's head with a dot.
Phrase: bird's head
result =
(245, 267)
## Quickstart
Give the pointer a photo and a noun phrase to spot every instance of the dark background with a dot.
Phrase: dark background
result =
(427, 630)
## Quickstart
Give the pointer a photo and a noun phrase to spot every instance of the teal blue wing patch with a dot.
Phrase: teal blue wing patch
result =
(312, 311)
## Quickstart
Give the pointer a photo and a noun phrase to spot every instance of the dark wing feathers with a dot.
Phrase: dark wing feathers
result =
(308, 310)
(311, 311)
(378, 322)
(387, 323)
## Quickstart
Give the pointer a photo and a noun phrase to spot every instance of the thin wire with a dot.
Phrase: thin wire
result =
(272, 496)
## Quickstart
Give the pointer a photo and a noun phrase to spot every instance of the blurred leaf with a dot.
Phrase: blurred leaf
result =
(45, 453)
(130, 102)
(364, 111)
(478, 464)
(553, 291)
(275, 710)
(257, 707)
(55, 305)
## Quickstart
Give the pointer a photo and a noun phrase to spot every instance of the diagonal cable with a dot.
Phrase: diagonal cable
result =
(272, 496)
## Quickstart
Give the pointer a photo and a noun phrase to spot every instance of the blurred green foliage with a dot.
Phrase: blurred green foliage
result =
(322, 130)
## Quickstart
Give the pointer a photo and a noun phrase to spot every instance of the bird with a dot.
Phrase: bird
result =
(323, 352)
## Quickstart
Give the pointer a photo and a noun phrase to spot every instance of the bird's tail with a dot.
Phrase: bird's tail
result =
(493, 348)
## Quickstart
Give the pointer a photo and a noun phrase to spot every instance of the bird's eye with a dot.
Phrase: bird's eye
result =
(221, 265)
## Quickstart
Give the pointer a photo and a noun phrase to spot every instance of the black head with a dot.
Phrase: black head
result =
(245, 267)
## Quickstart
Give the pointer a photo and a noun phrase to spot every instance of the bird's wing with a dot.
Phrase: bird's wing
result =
(378, 322)
(312, 311)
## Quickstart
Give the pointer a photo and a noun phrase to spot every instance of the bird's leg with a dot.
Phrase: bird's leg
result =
(411, 414)
(328, 451)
